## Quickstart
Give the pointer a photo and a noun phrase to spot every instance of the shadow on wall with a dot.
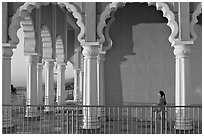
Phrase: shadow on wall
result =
(121, 34)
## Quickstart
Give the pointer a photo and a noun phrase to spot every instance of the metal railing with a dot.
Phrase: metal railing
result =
(103, 119)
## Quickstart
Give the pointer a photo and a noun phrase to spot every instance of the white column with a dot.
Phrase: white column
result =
(6, 84)
(182, 88)
(31, 93)
(76, 86)
(81, 78)
(49, 83)
(100, 82)
(90, 96)
(81, 85)
(39, 84)
(61, 83)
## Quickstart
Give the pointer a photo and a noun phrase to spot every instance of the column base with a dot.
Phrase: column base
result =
(183, 124)
(31, 112)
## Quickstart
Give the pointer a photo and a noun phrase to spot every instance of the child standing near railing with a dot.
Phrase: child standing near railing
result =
(160, 111)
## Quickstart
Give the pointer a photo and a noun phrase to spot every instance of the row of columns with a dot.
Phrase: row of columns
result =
(34, 84)
(93, 84)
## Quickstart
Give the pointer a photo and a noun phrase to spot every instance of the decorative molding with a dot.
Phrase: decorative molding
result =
(29, 36)
(194, 20)
(115, 5)
(46, 43)
(60, 56)
(27, 8)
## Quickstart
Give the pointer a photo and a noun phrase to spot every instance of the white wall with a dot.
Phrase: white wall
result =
(19, 66)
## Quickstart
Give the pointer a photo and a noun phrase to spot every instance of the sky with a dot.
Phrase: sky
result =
(19, 65)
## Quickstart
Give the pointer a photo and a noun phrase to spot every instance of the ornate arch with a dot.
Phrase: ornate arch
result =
(29, 36)
(115, 5)
(60, 56)
(46, 43)
(194, 20)
(27, 8)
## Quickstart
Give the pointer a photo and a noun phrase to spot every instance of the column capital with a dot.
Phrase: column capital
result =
(90, 49)
(182, 49)
(61, 66)
(101, 58)
(40, 66)
(76, 71)
(49, 63)
(7, 51)
(32, 59)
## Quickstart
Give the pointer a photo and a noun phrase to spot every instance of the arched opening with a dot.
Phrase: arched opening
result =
(141, 60)
(69, 39)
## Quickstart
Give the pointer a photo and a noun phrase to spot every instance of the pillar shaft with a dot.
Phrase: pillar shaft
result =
(81, 85)
(76, 85)
(39, 84)
(100, 76)
(100, 84)
(49, 83)
(6, 84)
(31, 92)
(81, 78)
(61, 84)
(90, 95)
(182, 88)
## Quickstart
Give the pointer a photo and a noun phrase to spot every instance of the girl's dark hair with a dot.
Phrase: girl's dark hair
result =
(163, 94)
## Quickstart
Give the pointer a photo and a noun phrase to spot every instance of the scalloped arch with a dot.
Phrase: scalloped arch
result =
(194, 20)
(27, 9)
(46, 43)
(115, 5)
(60, 56)
(29, 36)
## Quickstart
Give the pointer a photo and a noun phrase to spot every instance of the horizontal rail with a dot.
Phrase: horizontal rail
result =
(187, 106)
(85, 119)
